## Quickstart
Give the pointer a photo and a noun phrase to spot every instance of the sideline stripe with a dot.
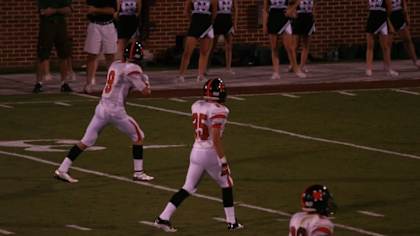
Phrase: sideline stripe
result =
(369, 213)
(62, 104)
(78, 227)
(124, 179)
(5, 232)
(289, 95)
(279, 131)
(236, 98)
(6, 106)
(177, 100)
(346, 93)
(405, 91)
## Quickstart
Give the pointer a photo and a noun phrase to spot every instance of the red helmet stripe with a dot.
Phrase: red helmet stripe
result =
(209, 87)
(132, 51)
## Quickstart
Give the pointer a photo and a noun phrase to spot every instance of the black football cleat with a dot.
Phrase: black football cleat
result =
(165, 225)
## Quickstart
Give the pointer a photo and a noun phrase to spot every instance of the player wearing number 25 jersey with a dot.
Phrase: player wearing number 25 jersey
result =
(121, 78)
(209, 117)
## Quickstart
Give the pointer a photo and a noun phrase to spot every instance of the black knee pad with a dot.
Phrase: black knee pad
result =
(179, 197)
(227, 194)
(138, 152)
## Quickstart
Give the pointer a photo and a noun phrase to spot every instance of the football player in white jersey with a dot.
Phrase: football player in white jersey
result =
(209, 117)
(121, 78)
(317, 205)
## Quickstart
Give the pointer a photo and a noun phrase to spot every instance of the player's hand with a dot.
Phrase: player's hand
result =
(225, 169)
(145, 79)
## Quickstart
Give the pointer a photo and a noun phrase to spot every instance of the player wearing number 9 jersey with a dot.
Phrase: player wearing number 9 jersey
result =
(209, 117)
(121, 78)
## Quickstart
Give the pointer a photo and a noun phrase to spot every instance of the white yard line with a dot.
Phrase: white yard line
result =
(41, 102)
(346, 93)
(236, 98)
(62, 104)
(6, 106)
(369, 213)
(177, 100)
(160, 187)
(289, 95)
(284, 132)
(78, 227)
(219, 219)
(405, 91)
(5, 232)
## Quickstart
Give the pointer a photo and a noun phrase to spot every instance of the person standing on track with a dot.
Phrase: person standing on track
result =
(377, 23)
(201, 14)
(226, 24)
(400, 22)
(277, 23)
(121, 78)
(209, 116)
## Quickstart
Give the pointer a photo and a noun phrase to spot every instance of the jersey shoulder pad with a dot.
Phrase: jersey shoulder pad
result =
(132, 69)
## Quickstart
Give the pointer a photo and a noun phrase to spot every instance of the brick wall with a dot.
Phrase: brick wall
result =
(338, 23)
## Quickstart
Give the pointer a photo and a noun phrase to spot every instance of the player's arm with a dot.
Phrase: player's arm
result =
(116, 13)
(265, 16)
(388, 6)
(187, 9)
(235, 14)
(139, 6)
(213, 9)
(51, 11)
(405, 10)
(140, 81)
(217, 142)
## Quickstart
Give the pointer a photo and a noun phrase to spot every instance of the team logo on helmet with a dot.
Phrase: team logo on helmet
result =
(317, 198)
(215, 89)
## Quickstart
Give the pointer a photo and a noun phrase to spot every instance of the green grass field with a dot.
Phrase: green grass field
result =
(366, 148)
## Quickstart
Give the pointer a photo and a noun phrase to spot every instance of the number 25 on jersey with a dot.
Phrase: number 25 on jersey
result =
(201, 130)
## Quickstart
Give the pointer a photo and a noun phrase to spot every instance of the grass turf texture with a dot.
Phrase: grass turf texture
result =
(270, 169)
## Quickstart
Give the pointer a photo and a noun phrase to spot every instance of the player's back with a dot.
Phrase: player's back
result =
(117, 84)
(206, 115)
(310, 224)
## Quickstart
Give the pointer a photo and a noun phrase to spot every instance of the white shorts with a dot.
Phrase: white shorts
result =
(205, 160)
(101, 39)
(119, 119)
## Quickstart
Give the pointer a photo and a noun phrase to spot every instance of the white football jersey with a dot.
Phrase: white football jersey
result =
(206, 115)
(310, 224)
(121, 78)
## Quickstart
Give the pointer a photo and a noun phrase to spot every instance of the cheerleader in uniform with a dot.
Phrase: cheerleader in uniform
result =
(377, 25)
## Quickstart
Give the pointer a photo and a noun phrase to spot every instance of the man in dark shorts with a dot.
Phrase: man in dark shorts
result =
(53, 32)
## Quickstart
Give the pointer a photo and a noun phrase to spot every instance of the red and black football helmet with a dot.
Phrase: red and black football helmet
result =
(317, 198)
(133, 52)
(215, 89)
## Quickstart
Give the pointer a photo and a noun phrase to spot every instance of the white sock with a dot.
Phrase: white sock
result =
(138, 164)
(167, 213)
(65, 165)
(230, 214)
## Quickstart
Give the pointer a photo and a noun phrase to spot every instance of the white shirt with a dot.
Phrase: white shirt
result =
(207, 115)
(311, 223)
(121, 78)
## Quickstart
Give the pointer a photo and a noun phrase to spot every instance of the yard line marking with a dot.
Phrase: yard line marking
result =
(5, 232)
(405, 91)
(40, 102)
(346, 93)
(177, 100)
(6, 106)
(279, 131)
(124, 179)
(62, 104)
(369, 213)
(163, 146)
(236, 98)
(78, 227)
(220, 219)
(289, 95)
(282, 219)
(361, 231)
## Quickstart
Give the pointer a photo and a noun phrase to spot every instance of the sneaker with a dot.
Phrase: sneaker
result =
(393, 73)
(234, 226)
(37, 88)
(200, 78)
(179, 79)
(141, 176)
(64, 176)
(369, 72)
(47, 77)
(66, 88)
(275, 76)
(165, 225)
(88, 89)
(300, 75)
